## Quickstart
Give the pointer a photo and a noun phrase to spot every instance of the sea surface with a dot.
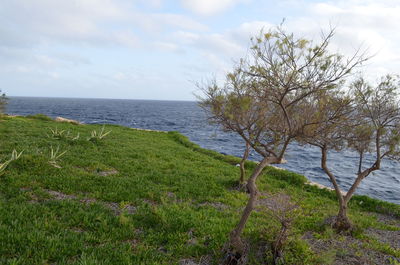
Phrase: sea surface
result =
(187, 118)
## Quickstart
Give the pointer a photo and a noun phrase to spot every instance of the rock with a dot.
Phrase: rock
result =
(61, 119)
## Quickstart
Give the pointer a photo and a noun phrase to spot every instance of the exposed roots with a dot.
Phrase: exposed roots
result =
(342, 225)
(232, 256)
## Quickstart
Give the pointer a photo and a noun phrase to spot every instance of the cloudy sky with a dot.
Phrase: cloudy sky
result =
(157, 49)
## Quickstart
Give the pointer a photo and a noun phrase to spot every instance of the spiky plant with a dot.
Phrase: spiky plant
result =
(14, 156)
(56, 133)
(55, 156)
(97, 136)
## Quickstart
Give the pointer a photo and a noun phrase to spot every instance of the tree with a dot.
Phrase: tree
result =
(280, 208)
(264, 95)
(366, 121)
(3, 102)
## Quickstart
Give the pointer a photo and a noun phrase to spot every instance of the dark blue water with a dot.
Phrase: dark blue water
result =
(190, 120)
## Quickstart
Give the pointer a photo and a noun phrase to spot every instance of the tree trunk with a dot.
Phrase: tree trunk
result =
(242, 162)
(236, 245)
(342, 222)
(277, 246)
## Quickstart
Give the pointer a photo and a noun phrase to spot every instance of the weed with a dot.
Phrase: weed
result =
(55, 156)
(62, 134)
(14, 156)
(97, 136)
(56, 133)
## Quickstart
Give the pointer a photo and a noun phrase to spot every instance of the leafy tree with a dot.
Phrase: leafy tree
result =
(263, 98)
(366, 121)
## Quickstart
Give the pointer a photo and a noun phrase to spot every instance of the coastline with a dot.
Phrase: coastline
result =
(138, 197)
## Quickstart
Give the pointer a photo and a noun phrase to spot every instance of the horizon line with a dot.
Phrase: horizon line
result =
(100, 98)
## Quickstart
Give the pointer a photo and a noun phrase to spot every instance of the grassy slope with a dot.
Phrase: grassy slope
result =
(184, 205)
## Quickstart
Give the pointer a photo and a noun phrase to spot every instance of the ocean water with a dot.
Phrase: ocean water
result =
(187, 118)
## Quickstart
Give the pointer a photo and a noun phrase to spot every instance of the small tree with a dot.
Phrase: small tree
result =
(263, 98)
(281, 208)
(3, 102)
(367, 121)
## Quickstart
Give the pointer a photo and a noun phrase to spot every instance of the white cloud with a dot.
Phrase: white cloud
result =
(221, 50)
(209, 7)
(126, 38)
(153, 3)
(59, 39)
(87, 22)
(119, 76)
(158, 22)
(371, 25)
(167, 47)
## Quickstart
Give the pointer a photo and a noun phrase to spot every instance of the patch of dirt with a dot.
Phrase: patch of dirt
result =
(217, 205)
(77, 230)
(192, 239)
(150, 202)
(56, 195)
(60, 196)
(385, 236)
(106, 173)
(132, 242)
(87, 200)
(347, 250)
(239, 187)
(115, 207)
(388, 219)
(204, 260)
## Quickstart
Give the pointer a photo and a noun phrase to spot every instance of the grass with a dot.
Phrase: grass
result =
(182, 196)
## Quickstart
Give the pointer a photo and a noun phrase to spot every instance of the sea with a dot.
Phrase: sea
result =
(189, 119)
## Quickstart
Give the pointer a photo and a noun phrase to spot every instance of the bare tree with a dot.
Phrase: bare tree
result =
(281, 208)
(264, 95)
(367, 121)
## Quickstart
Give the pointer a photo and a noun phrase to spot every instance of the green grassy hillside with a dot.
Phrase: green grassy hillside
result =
(142, 197)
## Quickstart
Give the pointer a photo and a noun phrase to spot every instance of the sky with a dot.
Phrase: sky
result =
(159, 49)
